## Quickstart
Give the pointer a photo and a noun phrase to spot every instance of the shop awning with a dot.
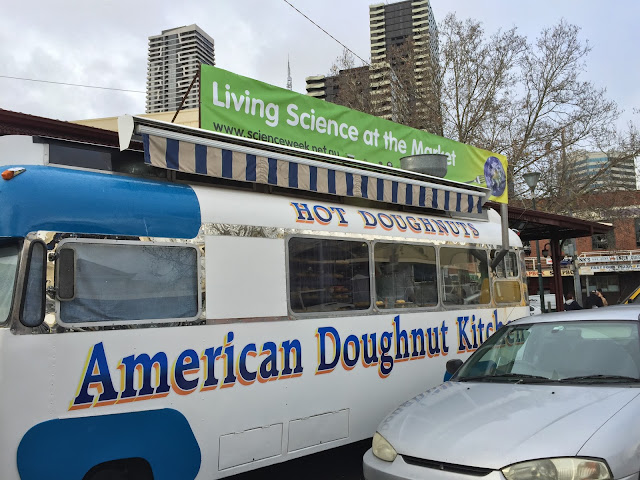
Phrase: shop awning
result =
(193, 151)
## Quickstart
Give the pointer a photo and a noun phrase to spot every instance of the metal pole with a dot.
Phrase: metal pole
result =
(577, 288)
(540, 281)
(195, 77)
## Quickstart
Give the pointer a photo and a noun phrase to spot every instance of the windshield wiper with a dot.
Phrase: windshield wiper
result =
(595, 378)
(520, 377)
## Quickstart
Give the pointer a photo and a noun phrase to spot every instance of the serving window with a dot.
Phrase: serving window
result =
(465, 276)
(507, 291)
(405, 276)
(127, 282)
(327, 275)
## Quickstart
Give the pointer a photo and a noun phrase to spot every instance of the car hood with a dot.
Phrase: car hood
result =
(492, 425)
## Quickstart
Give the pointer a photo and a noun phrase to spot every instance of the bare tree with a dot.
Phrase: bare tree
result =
(413, 78)
(351, 80)
(529, 102)
(525, 100)
(400, 88)
(477, 78)
(555, 110)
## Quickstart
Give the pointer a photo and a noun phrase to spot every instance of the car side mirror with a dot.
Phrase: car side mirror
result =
(453, 365)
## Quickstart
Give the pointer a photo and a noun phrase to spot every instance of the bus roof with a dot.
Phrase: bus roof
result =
(64, 200)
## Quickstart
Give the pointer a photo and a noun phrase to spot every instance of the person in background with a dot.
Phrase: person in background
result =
(571, 303)
(596, 299)
(601, 297)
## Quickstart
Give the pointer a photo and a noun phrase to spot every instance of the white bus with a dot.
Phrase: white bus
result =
(252, 306)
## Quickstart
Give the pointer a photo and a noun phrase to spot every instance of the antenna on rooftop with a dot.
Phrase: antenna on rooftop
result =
(289, 82)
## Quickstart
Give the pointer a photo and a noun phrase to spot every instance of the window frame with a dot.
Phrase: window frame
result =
(17, 278)
(328, 313)
(438, 303)
(42, 283)
(506, 279)
(145, 321)
(453, 306)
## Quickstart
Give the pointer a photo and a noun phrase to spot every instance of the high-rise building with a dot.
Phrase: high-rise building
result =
(620, 174)
(398, 82)
(404, 52)
(174, 59)
(395, 23)
(327, 87)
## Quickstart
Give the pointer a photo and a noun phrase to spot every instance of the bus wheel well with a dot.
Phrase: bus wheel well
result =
(122, 469)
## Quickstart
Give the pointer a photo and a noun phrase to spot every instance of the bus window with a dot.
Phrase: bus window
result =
(465, 276)
(405, 276)
(8, 268)
(507, 291)
(33, 305)
(508, 267)
(328, 275)
(132, 281)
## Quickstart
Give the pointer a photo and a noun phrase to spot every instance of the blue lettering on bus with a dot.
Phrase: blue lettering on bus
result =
(308, 213)
(144, 377)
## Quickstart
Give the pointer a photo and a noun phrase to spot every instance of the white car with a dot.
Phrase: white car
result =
(551, 397)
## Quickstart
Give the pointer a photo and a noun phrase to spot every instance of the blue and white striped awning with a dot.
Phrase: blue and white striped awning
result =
(305, 174)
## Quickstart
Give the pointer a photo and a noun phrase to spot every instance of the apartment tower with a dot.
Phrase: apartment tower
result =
(410, 23)
(174, 59)
(404, 51)
(619, 174)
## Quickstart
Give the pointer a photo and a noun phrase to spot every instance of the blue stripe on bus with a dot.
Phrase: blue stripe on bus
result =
(63, 200)
(161, 437)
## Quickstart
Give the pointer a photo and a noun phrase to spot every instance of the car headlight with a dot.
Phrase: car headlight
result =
(383, 449)
(558, 469)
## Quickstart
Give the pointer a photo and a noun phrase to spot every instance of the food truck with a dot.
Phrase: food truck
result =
(197, 306)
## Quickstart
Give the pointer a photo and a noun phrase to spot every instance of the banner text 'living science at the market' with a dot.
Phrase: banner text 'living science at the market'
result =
(247, 108)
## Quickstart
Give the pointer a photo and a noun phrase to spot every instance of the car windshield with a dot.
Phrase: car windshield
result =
(563, 352)
(8, 268)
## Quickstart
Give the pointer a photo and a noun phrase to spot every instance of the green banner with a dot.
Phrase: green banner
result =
(247, 108)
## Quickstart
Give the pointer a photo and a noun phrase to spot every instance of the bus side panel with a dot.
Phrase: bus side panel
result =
(69, 448)
(245, 277)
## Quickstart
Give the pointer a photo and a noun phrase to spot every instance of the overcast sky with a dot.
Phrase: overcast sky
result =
(105, 44)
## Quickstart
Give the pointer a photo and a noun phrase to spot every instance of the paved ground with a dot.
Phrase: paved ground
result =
(343, 463)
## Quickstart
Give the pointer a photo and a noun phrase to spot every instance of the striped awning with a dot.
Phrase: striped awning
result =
(305, 174)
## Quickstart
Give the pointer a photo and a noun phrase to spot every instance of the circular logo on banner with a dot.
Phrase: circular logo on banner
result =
(495, 176)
